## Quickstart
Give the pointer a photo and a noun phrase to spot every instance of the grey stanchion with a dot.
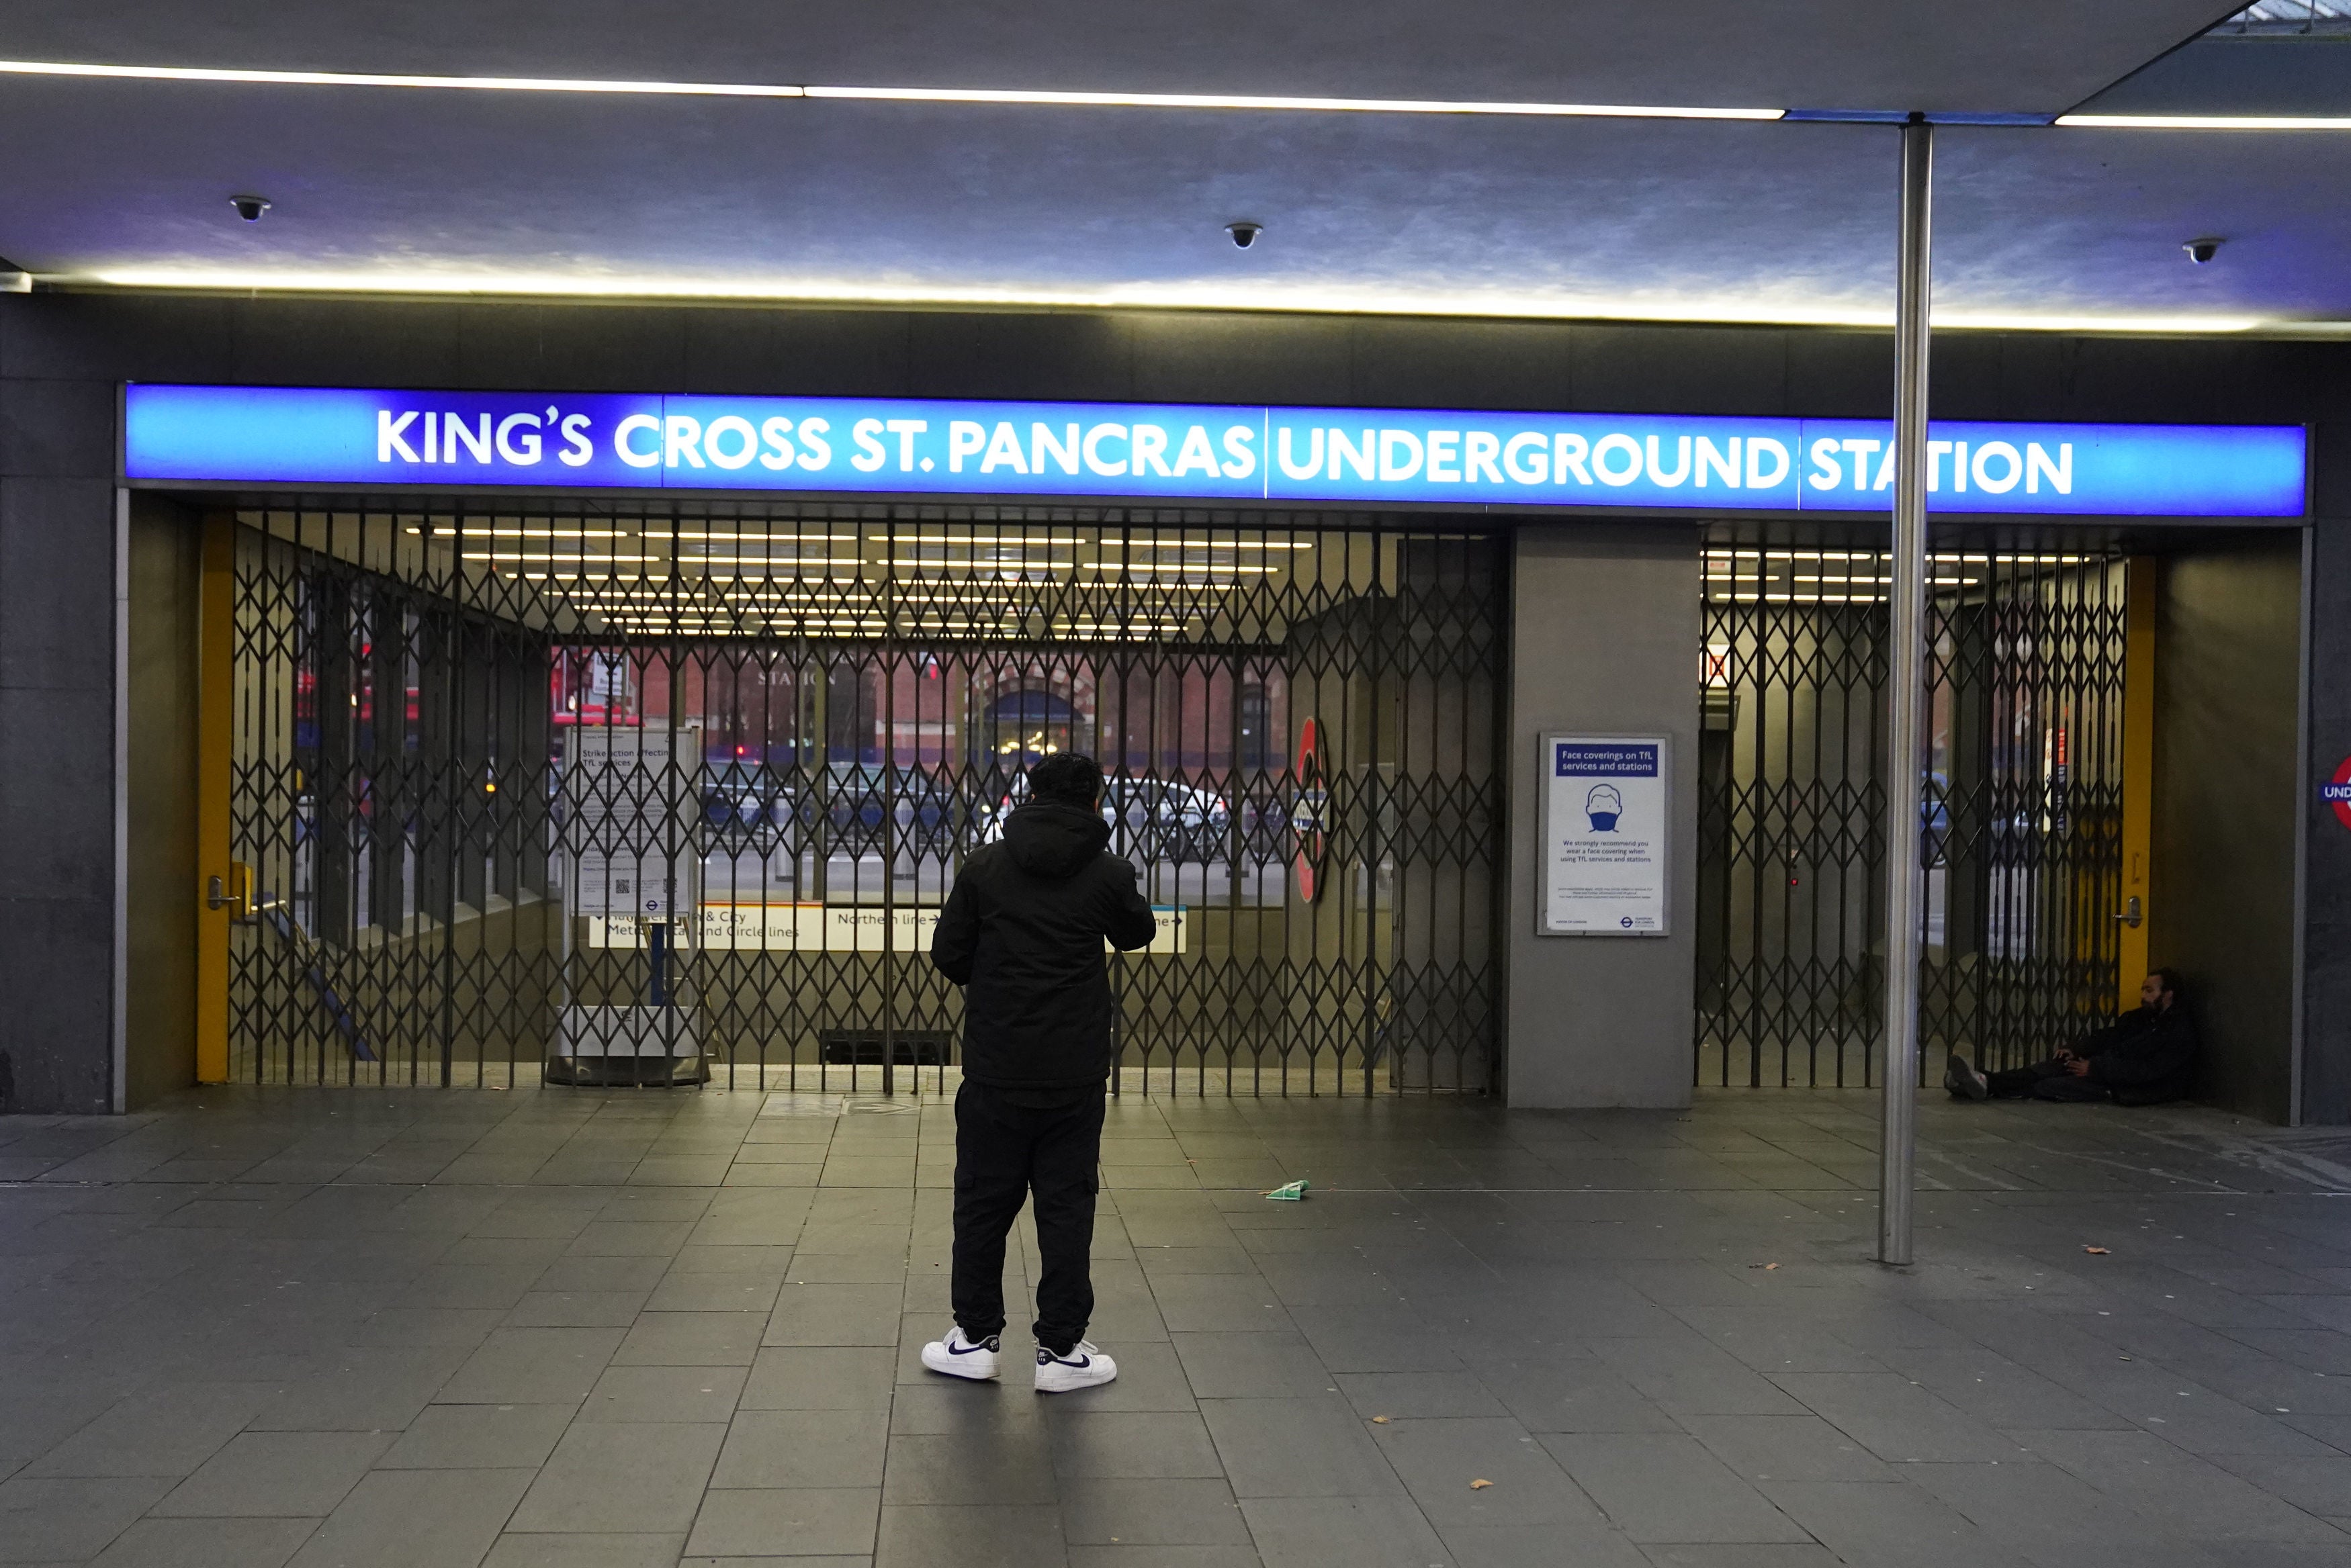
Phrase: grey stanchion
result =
(1904, 878)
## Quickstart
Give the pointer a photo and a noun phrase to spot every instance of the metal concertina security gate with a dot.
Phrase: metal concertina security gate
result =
(2019, 830)
(629, 788)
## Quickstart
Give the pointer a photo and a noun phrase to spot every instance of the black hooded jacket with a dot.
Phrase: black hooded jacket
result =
(2146, 1057)
(1023, 933)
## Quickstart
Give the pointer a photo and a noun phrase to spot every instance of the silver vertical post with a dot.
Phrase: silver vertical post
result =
(1904, 878)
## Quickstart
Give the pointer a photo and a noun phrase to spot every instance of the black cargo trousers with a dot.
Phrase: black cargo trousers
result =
(1017, 1145)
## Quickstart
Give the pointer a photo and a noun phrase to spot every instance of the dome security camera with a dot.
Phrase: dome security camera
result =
(250, 208)
(2204, 250)
(1244, 233)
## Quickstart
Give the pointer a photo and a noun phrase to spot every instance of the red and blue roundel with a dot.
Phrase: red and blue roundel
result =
(1309, 811)
(2336, 792)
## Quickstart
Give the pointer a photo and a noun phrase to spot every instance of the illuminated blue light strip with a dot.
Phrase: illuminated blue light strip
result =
(909, 446)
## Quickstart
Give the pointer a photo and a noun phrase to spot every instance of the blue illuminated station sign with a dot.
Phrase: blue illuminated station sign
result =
(331, 437)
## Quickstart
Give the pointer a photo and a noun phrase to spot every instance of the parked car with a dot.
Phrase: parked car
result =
(1151, 819)
(739, 796)
(851, 800)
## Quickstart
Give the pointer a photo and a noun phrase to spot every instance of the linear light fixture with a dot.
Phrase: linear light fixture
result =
(2205, 121)
(394, 79)
(1014, 97)
(1303, 300)
(1274, 102)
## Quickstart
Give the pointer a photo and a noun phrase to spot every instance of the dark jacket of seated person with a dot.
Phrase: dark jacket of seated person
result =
(2145, 1057)
(1022, 931)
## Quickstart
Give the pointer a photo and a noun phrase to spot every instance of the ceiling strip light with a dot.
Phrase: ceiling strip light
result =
(1307, 105)
(1303, 300)
(2206, 121)
(1005, 96)
(388, 80)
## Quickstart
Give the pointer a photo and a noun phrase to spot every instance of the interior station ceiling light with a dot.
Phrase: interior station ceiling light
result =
(1743, 311)
(1011, 96)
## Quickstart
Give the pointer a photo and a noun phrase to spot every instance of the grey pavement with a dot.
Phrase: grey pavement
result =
(574, 1329)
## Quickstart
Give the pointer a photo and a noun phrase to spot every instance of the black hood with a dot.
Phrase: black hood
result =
(1055, 841)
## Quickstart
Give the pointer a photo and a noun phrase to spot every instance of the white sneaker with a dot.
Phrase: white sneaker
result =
(960, 1357)
(1083, 1367)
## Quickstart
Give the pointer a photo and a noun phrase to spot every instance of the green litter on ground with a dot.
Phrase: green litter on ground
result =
(1288, 1192)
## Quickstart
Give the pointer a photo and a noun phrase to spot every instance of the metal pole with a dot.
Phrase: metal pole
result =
(1904, 878)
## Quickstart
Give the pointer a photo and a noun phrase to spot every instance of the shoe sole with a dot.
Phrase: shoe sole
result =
(960, 1368)
(1071, 1387)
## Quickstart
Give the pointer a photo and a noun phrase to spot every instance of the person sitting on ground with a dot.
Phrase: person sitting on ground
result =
(2143, 1058)
(1023, 933)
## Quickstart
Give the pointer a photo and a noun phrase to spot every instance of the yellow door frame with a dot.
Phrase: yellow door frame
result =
(2139, 774)
(216, 880)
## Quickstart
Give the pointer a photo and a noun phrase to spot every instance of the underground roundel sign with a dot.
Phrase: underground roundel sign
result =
(1307, 811)
(2336, 792)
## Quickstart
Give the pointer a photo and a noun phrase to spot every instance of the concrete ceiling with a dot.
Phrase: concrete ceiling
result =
(2014, 54)
(828, 198)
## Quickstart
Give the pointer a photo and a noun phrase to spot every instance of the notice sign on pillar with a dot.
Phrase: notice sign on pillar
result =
(1604, 800)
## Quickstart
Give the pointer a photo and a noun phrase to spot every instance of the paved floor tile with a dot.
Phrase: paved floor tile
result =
(691, 1339)
(821, 1377)
(1897, 1526)
(632, 1476)
(369, 1389)
(970, 1536)
(1121, 1445)
(2194, 1497)
(533, 1366)
(1152, 1513)
(417, 1519)
(1254, 1365)
(839, 1448)
(258, 1473)
(1666, 1488)
(1439, 1460)
(1540, 1546)
(664, 1393)
(1297, 1448)
(834, 1314)
(1786, 1448)
(581, 1551)
(168, 1431)
(479, 1436)
(794, 1521)
(1340, 1533)
(1117, 1555)
(1014, 1467)
(207, 1543)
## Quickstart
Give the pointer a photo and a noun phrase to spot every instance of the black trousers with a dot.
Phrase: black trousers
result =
(1017, 1145)
(2043, 1081)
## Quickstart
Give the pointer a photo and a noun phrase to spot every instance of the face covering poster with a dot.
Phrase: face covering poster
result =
(1604, 799)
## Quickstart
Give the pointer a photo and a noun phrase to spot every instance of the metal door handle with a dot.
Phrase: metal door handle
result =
(2130, 915)
(233, 893)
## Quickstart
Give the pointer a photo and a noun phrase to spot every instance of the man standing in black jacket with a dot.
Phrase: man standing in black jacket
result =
(1023, 933)
(2143, 1058)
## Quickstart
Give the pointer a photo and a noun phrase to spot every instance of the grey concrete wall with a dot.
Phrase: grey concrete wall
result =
(2226, 725)
(2327, 863)
(1604, 640)
(57, 743)
(165, 554)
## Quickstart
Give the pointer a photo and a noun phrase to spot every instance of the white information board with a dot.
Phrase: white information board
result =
(630, 808)
(1605, 800)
